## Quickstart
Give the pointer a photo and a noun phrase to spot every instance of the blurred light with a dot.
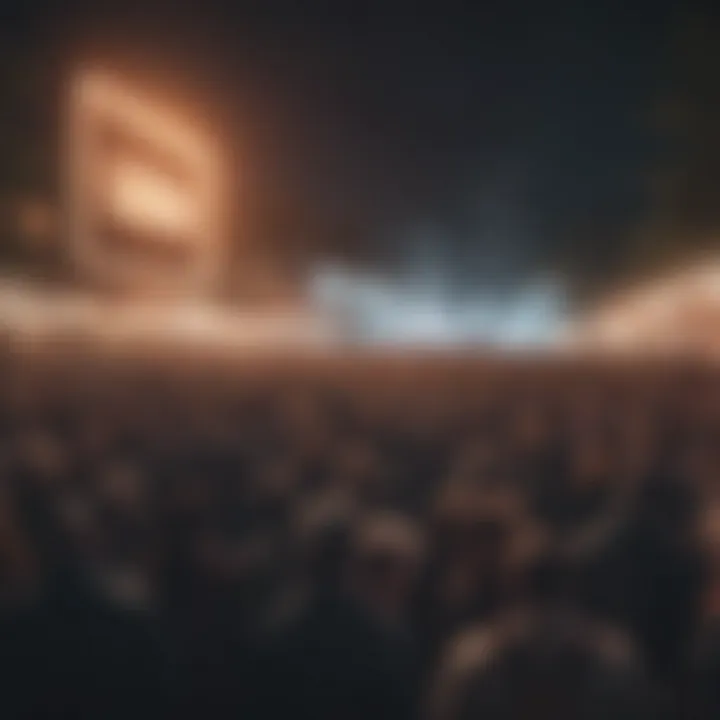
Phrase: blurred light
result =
(42, 314)
(379, 310)
(676, 314)
(104, 93)
(137, 193)
(147, 201)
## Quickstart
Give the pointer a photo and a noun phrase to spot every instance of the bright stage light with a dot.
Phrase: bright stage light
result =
(141, 180)
(147, 201)
(674, 314)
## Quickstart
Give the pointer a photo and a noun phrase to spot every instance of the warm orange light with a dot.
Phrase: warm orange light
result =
(147, 201)
(135, 191)
(674, 314)
(103, 93)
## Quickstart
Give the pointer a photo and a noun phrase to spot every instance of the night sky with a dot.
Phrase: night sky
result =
(492, 138)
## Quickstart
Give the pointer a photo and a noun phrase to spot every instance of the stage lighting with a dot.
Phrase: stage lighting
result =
(145, 191)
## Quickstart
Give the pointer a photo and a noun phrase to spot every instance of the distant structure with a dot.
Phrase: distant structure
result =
(144, 193)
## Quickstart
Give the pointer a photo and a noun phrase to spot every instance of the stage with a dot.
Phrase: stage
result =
(38, 315)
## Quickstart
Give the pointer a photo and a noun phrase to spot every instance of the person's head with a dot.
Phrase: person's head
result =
(327, 556)
(479, 537)
(40, 461)
(475, 523)
(123, 487)
(666, 504)
(513, 671)
(387, 555)
(324, 532)
(548, 578)
(359, 469)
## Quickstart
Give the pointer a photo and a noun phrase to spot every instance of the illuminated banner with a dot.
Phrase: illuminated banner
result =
(144, 192)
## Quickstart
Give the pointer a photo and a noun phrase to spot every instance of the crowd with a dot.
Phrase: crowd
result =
(393, 538)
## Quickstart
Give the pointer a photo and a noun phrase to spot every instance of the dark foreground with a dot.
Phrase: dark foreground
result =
(358, 538)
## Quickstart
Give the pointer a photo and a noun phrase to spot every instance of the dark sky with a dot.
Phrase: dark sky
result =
(501, 134)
